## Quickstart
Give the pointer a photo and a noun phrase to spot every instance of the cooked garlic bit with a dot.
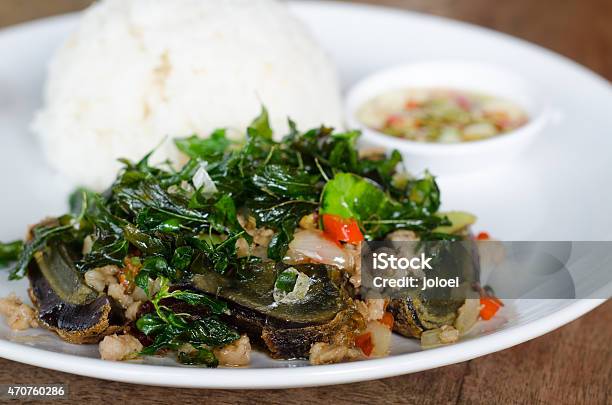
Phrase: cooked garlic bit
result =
(117, 291)
(438, 337)
(261, 238)
(448, 334)
(119, 347)
(325, 353)
(235, 354)
(353, 267)
(242, 248)
(19, 316)
(402, 235)
(105, 279)
(87, 244)
(100, 277)
(362, 308)
(132, 311)
(376, 308)
(308, 222)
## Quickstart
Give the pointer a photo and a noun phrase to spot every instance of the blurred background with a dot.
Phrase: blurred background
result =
(578, 29)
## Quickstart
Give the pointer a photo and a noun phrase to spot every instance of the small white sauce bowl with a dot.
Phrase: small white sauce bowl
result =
(451, 158)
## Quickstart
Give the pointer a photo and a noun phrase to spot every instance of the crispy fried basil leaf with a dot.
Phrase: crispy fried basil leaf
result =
(204, 148)
(280, 241)
(150, 324)
(192, 298)
(211, 332)
(106, 230)
(200, 356)
(40, 236)
(147, 243)
(9, 252)
(133, 196)
(287, 182)
(261, 125)
(221, 256)
(172, 332)
(181, 259)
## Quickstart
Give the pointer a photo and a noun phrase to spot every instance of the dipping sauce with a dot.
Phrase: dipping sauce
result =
(441, 115)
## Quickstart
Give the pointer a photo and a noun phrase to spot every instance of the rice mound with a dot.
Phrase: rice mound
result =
(137, 71)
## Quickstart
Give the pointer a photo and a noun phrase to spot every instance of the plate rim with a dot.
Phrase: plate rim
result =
(307, 376)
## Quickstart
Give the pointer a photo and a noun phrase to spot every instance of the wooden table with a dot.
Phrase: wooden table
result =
(570, 365)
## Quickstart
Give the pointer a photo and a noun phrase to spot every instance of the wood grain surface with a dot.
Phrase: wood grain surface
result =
(570, 365)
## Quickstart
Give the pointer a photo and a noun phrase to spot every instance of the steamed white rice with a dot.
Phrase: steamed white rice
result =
(136, 71)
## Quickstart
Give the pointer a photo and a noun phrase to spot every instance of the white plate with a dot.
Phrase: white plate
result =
(558, 190)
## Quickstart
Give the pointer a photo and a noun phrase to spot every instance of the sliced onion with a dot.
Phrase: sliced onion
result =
(381, 338)
(467, 315)
(312, 246)
(430, 339)
(202, 178)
